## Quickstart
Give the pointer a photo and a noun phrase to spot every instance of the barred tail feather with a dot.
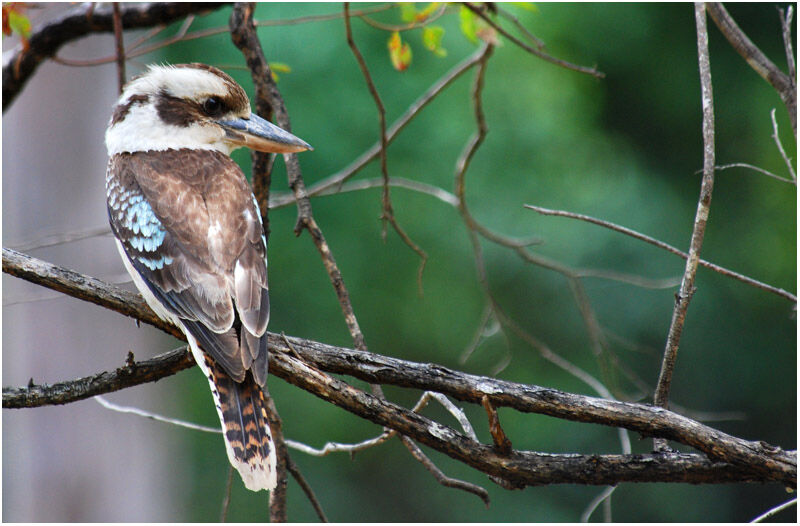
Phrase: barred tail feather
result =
(248, 440)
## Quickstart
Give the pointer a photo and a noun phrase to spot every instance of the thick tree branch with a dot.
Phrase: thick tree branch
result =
(753, 460)
(83, 21)
(519, 467)
(82, 287)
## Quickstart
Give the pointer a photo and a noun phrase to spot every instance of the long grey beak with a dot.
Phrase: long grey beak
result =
(260, 134)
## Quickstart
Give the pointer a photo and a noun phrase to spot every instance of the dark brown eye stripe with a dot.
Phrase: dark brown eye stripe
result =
(122, 110)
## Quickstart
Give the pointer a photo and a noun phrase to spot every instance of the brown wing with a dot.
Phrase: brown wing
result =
(190, 226)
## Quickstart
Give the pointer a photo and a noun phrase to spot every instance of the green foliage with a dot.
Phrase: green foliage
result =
(626, 149)
(432, 38)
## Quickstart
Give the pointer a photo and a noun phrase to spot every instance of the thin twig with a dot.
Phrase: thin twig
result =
(45, 41)
(687, 288)
(251, 47)
(721, 167)
(757, 60)
(120, 46)
(153, 416)
(306, 487)
(501, 442)
(665, 246)
(539, 43)
(534, 51)
(774, 511)
(388, 210)
(786, 25)
(439, 475)
(323, 18)
(599, 499)
(777, 140)
(278, 509)
(338, 178)
(60, 238)
(338, 447)
(226, 500)
(404, 27)
(183, 36)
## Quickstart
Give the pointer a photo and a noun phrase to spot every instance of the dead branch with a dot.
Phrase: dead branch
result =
(755, 461)
(687, 288)
(86, 20)
(731, 458)
(388, 209)
(780, 81)
(669, 248)
(536, 51)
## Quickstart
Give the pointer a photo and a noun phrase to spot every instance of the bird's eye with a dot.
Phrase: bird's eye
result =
(212, 106)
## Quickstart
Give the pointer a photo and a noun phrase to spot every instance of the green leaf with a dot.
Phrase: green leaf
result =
(408, 11)
(280, 67)
(527, 6)
(432, 38)
(467, 18)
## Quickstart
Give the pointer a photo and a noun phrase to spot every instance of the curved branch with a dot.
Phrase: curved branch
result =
(519, 468)
(532, 50)
(753, 460)
(86, 20)
(780, 81)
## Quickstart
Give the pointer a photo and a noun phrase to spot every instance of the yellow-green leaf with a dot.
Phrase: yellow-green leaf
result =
(467, 18)
(17, 22)
(280, 67)
(432, 38)
(527, 6)
(399, 52)
(428, 11)
(408, 11)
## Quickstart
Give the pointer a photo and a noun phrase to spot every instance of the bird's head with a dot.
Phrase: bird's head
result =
(191, 106)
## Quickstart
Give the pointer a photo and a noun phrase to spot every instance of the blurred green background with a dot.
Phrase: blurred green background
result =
(626, 148)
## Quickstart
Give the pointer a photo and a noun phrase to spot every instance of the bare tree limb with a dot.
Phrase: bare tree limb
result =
(786, 26)
(335, 180)
(120, 46)
(439, 475)
(306, 487)
(774, 511)
(777, 139)
(82, 287)
(665, 246)
(536, 51)
(244, 37)
(388, 209)
(305, 218)
(780, 81)
(86, 20)
(732, 458)
(721, 167)
(687, 288)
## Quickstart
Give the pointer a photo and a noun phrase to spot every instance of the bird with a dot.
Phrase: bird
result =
(189, 231)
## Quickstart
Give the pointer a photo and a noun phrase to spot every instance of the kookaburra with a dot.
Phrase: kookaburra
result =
(189, 231)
